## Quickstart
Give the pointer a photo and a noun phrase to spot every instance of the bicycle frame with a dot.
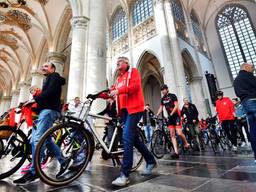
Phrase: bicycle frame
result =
(93, 129)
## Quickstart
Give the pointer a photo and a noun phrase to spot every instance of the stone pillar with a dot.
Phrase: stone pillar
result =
(1, 107)
(37, 79)
(161, 27)
(198, 95)
(96, 74)
(96, 62)
(24, 92)
(7, 103)
(77, 59)
(15, 98)
(58, 59)
(176, 52)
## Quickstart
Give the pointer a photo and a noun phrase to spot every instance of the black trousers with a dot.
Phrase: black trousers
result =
(230, 130)
(240, 123)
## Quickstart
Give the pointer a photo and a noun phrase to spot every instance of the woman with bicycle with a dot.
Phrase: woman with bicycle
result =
(130, 103)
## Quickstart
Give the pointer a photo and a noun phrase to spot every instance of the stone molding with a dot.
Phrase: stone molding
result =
(79, 22)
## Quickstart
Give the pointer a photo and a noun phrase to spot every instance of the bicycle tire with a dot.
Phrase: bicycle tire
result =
(15, 152)
(158, 144)
(137, 156)
(81, 145)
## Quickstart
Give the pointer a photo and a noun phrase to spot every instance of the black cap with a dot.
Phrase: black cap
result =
(219, 93)
(164, 86)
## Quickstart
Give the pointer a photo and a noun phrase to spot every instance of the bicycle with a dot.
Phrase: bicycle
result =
(161, 139)
(81, 138)
(15, 146)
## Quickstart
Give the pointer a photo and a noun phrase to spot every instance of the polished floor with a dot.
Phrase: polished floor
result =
(197, 172)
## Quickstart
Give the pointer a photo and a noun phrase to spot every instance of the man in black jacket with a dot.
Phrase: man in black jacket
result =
(49, 107)
(148, 122)
(245, 89)
(191, 113)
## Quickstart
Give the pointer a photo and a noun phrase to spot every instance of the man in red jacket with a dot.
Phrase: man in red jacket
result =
(226, 114)
(130, 103)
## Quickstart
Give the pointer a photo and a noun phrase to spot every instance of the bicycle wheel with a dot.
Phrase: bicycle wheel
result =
(14, 151)
(158, 144)
(75, 142)
(137, 157)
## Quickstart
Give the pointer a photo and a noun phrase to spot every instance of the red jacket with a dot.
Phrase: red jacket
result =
(225, 109)
(130, 95)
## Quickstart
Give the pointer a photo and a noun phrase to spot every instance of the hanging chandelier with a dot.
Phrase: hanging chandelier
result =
(9, 3)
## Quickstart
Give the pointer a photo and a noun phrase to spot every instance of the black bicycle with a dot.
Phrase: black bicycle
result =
(161, 140)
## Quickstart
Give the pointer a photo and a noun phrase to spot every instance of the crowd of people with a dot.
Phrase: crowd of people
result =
(126, 100)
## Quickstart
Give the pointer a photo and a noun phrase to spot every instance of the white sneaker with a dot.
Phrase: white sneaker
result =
(255, 161)
(121, 181)
(243, 144)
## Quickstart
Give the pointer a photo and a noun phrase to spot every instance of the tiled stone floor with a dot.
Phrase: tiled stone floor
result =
(228, 172)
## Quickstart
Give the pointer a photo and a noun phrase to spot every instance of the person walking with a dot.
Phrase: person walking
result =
(130, 103)
(245, 89)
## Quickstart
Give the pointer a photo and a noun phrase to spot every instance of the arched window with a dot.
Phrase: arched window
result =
(142, 9)
(119, 24)
(237, 36)
(179, 18)
(197, 31)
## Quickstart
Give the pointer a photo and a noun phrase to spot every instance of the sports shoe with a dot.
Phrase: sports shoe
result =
(148, 169)
(121, 181)
(25, 179)
(26, 169)
(63, 167)
(175, 156)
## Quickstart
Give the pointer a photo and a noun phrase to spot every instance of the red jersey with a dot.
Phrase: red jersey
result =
(225, 109)
(130, 95)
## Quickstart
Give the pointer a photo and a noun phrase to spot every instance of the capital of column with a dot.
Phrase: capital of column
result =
(37, 73)
(158, 1)
(6, 98)
(79, 22)
(197, 78)
(24, 84)
(56, 56)
(16, 92)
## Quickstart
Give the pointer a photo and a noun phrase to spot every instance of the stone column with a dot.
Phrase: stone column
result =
(161, 27)
(176, 52)
(1, 107)
(15, 98)
(96, 62)
(37, 79)
(24, 92)
(58, 59)
(7, 103)
(96, 76)
(198, 95)
(77, 59)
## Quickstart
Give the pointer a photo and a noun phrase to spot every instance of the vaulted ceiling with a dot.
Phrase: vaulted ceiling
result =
(25, 30)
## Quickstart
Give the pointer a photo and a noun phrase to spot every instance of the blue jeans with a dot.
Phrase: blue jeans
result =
(250, 108)
(148, 132)
(130, 139)
(43, 123)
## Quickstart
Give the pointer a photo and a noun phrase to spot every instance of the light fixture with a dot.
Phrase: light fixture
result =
(9, 3)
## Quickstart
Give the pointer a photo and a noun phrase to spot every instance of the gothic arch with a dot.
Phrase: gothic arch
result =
(152, 78)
